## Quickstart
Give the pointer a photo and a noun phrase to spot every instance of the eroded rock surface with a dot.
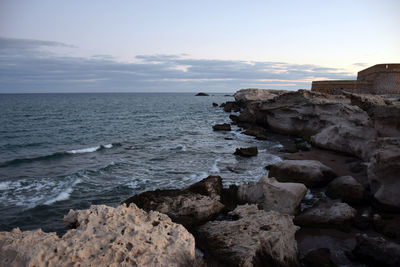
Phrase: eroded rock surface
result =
(222, 127)
(347, 189)
(254, 238)
(105, 236)
(273, 195)
(252, 94)
(312, 173)
(246, 151)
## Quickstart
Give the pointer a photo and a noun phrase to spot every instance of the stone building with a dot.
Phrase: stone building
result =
(378, 79)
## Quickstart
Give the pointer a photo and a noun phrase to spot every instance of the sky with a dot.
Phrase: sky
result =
(190, 46)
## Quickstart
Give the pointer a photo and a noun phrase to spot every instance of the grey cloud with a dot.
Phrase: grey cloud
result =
(24, 67)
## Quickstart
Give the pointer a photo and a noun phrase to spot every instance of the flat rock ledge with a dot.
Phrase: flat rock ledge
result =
(252, 238)
(312, 173)
(104, 236)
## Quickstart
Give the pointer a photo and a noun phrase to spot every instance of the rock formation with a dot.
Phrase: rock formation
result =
(347, 189)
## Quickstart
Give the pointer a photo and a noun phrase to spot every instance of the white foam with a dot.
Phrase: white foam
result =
(4, 185)
(214, 167)
(84, 150)
(63, 195)
(108, 146)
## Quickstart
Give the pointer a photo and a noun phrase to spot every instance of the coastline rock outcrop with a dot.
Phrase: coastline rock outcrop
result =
(270, 194)
(253, 238)
(326, 213)
(222, 127)
(104, 236)
(253, 94)
(347, 189)
(190, 206)
(312, 173)
(247, 151)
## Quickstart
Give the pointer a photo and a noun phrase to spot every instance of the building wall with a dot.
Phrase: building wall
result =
(333, 87)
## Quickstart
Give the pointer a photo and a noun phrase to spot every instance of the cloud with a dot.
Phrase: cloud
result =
(34, 66)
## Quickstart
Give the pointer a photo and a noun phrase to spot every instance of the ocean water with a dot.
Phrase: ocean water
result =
(68, 151)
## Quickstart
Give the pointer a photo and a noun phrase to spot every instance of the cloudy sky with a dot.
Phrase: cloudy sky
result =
(186, 46)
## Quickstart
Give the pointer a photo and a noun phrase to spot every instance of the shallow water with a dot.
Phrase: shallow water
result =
(62, 151)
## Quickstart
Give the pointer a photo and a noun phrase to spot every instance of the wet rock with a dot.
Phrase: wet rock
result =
(191, 206)
(105, 236)
(387, 225)
(319, 258)
(215, 104)
(377, 251)
(384, 173)
(231, 106)
(254, 238)
(202, 94)
(273, 195)
(326, 213)
(234, 118)
(312, 173)
(258, 132)
(247, 152)
(347, 189)
(222, 127)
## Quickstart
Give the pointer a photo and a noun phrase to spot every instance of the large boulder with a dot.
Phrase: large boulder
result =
(347, 189)
(326, 213)
(307, 113)
(190, 206)
(273, 195)
(384, 174)
(377, 251)
(246, 151)
(253, 94)
(252, 238)
(104, 236)
(312, 173)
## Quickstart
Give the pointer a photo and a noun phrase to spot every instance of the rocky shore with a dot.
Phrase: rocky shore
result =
(333, 200)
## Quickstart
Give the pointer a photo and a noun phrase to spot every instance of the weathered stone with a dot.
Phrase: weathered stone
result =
(347, 189)
(377, 251)
(273, 195)
(247, 151)
(191, 206)
(319, 258)
(258, 132)
(231, 106)
(312, 173)
(326, 213)
(254, 238)
(388, 226)
(384, 174)
(105, 236)
(222, 127)
(253, 94)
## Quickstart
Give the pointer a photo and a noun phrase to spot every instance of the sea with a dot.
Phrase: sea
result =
(69, 151)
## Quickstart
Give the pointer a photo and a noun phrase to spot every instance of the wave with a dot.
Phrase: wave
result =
(58, 155)
(214, 168)
(63, 195)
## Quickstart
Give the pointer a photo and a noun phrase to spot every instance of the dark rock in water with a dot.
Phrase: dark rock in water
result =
(202, 94)
(327, 213)
(215, 104)
(377, 251)
(252, 238)
(347, 189)
(228, 138)
(303, 146)
(222, 127)
(234, 118)
(319, 258)
(191, 206)
(247, 152)
(312, 173)
(258, 132)
(231, 106)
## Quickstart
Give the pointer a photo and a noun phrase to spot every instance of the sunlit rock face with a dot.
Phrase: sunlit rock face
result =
(103, 236)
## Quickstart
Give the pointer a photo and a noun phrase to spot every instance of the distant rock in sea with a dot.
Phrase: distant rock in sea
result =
(202, 94)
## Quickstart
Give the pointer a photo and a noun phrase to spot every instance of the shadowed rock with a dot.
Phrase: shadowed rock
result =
(222, 127)
(347, 189)
(247, 152)
(202, 94)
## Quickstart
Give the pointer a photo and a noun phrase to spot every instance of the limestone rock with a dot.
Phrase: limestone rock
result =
(191, 206)
(253, 94)
(326, 213)
(231, 106)
(247, 151)
(273, 195)
(105, 236)
(254, 238)
(377, 251)
(312, 173)
(384, 174)
(347, 189)
(222, 127)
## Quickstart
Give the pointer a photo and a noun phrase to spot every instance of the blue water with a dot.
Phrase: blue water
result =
(68, 151)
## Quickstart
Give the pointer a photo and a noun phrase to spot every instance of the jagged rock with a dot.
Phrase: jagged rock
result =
(253, 94)
(326, 213)
(215, 104)
(331, 121)
(273, 195)
(312, 173)
(347, 189)
(202, 94)
(222, 127)
(319, 258)
(234, 118)
(191, 206)
(105, 236)
(258, 132)
(247, 151)
(377, 251)
(231, 105)
(254, 238)
(384, 174)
